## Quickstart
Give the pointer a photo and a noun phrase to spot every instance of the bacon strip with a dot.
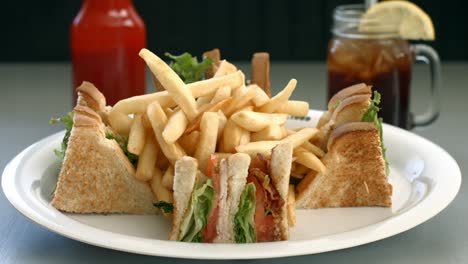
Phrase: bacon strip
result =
(267, 199)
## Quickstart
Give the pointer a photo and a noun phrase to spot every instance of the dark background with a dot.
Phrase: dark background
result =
(289, 30)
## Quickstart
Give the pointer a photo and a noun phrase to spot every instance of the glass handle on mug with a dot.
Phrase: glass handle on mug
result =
(424, 53)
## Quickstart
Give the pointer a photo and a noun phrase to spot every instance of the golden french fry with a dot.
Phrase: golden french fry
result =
(161, 193)
(306, 181)
(294, 108)
(136, 138)
(310, 161)
(301, 136)
(245, 108)
(189, 142)
(255, 122)
(147, 159)
(222, 93)
(262, 147)
(279, 99)
(208, 137)
(261, 97)
(245, 137)
(225, 68)
(299, 171)
(212, 107)
(138, 104)
(172, 83)
(314, 149)
(261, 71)
(291, 206)
(203, 100)
(239, 100)
(145, 121)
(222, 123)
(285, 131)
(175, 127)
(157, 85)
(158, 120)
(239, 91)
(168, 178)
(209, 86)
(271, 132)
(231, 137)
(120, 123)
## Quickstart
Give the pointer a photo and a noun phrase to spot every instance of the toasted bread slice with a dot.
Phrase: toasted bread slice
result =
(215, 56)
(261, 71)
(280, 169)
(96, 176)
(222, 227)
(237, 172)
(185, 174)
(355, 175)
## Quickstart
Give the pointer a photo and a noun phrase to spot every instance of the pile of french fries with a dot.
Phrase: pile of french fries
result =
(219, 115)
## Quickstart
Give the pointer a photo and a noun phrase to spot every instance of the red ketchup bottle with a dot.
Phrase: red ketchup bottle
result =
(106, 37)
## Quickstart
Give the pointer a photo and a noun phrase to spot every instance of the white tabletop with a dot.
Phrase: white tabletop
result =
(32, 93)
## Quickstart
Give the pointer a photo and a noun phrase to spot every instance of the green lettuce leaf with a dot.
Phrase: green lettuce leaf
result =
(187, 67)
(67, 120)
(244, 225)
(123, 142)
(371, 115)
(196, 216)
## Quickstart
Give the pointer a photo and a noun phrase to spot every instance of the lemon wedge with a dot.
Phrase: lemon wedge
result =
(401, 17)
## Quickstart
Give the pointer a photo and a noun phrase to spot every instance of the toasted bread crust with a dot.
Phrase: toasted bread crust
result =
(90, 96)
(355, 171)
(238, 170)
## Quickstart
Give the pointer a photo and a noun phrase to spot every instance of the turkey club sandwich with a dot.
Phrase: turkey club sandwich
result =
(240, 200)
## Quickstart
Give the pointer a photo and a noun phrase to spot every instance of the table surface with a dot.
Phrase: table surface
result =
(32, 93)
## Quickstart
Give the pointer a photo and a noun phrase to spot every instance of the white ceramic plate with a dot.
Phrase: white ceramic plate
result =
(425, 180)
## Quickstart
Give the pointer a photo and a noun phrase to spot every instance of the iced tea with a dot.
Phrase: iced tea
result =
(384, 63)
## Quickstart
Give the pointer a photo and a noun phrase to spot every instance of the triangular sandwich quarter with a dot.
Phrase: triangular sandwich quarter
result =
(96, 176)
(355, 175)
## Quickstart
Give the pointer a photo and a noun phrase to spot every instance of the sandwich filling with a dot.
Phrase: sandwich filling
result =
(201, 218)
(259, 206)
(196, 216)
(268, 201)
(209, 233)
(244, 221)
